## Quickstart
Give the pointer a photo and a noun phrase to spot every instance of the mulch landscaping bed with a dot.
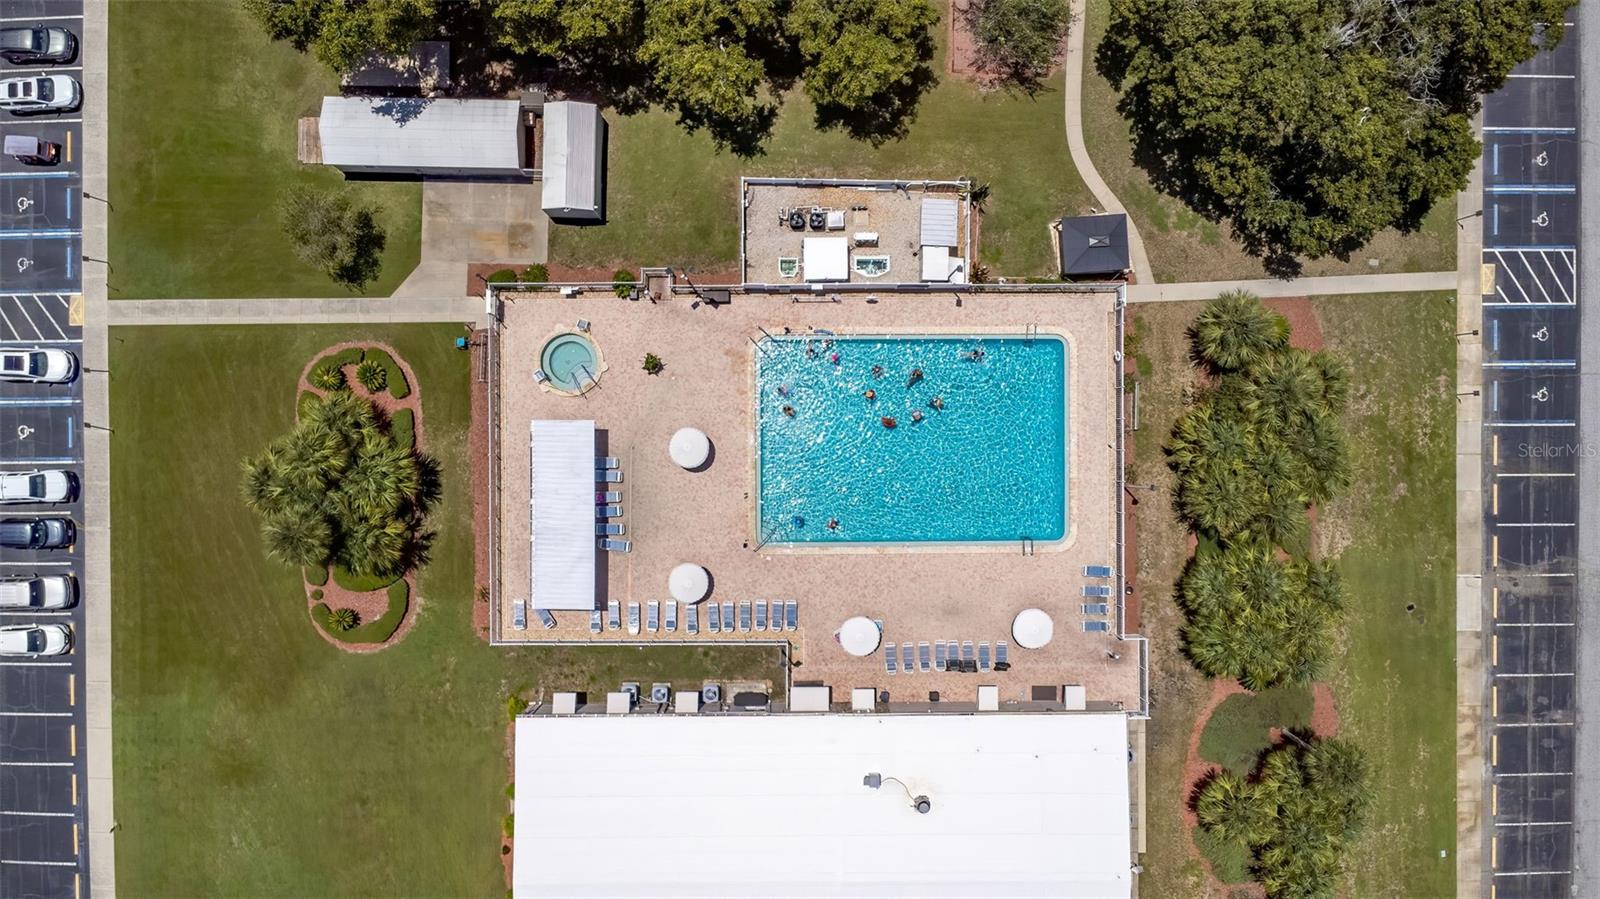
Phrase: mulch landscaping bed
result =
(372, 604)
(478, 464)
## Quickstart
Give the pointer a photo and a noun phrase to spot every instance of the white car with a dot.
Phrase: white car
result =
(34, 639)
(40, 365)
(54, 591)
(49, 486)
(40, 93)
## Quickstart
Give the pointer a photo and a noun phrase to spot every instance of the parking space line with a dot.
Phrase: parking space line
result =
(39, 175)
(35, 613)
(69, 340)
(1529, 873)
(1531, 189)
(1512, 129)
(26, 565)
(39, 401)
(35, 714)
(1536, 624)
(48, 317)
(1540, 674)
(37, 814)
(1536, 474)
(1534, 774)
(1534, 363)
(74, 783)
(37, 70)
(1545, 257)
(1519, 75)
(35, 861)
(24, 310)
(1536, 524)
(1534, 723)
(7, 764)
(72, 689)
(40, 18)
(1533, 824)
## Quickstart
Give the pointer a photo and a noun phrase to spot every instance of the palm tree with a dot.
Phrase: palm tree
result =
(1228, 809)
(1235, 331)
(1335, 380)
(375, 545)
(1290, 388)
(297, 540)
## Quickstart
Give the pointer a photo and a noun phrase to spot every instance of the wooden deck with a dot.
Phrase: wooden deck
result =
(310, 141)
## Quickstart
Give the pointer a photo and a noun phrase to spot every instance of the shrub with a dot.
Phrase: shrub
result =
(316, 575)
(328, 377)
(511, 790)
(502, 276)
(622, 282)
(360, 583)
(508, 827)
(316, 595)
(348, 356)
(372, 375)
(515, 705)
(536, 273)
(343, 620)
(402, 425)
(306, 401)
(393, 376)
(379, 629)
(653, 364)
(333, 233)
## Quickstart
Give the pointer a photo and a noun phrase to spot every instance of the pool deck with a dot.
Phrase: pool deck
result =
(921, 594)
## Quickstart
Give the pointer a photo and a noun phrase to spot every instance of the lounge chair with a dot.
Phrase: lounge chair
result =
(1096, 608)
(1096, 627)
(671, 621)
(519, 614)
(633, 618)
(607, 496)
(616, 546)
(539, 377)
(906, 661)
(888, 658)
(1000, 653)
(546, 619)
(603, 476)
(608, 529)
(691, 619)
(607, 511)
(923, 661)
(761, 615)
(983, 656)
(727, 617)
(653, 616)
(606, 462)
(713, 618)
(1097, 571)
(613, 615)
(938, 655)
(966, 651)
(1096, 590)
(594, 621)
(583, 324)
(744, 616)
(791, 615)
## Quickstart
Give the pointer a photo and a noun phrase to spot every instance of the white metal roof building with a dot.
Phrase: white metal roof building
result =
(410, 135)
(1022, 805)
(574, 152)
(562, 514)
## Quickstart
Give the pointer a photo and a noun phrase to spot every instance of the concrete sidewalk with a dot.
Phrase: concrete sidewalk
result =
(1398, 282)
(295, 311)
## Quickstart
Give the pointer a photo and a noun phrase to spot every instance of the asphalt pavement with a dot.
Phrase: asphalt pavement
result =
(1532, 452)
(43, 776)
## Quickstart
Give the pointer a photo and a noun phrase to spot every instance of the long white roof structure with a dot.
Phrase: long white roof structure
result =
(1023, 805)
(409, 133)
(563, 514)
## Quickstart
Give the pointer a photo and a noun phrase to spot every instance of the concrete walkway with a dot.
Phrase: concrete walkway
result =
(1080, 152)
(295, 311)
(1299, 287)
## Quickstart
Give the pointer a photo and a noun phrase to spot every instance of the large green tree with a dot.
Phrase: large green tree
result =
(343, 33)
(1311, 125)
(1298, 815)
(706, 62)
(866, 60)
(332, 232)
(1018, 41)
(586, 29)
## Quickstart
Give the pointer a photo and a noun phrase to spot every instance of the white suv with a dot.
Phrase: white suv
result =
(54, 591)
(40, 93)
(48, 486)
(34, 640)
(39, 365)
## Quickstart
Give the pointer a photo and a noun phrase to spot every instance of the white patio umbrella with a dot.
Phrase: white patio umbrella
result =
(688, 583)
(690, 447)
(1032, 628)
(860, 636)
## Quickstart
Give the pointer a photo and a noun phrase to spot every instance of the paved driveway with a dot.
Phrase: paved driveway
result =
(475, 221)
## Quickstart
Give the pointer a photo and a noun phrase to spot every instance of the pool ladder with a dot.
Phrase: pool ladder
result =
(1027, 546)
(1029, 332)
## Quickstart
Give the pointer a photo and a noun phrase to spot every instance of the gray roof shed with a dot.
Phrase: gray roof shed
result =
(1094, 244)
(422, 136)
(574, 161)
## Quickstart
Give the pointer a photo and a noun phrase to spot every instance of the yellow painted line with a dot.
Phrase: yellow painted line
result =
(72, 689)
(74, 789)
(1486, 278)
(1494, 442)
(77, 885)
(1494, 493)
(69, 146)
(1494, 804)
(1493, 642)
(1496, 594)
(1494, 746)
(74, 839)
(73, 733)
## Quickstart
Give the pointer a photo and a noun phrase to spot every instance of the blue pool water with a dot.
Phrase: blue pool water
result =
(990, 466)
(569, 361)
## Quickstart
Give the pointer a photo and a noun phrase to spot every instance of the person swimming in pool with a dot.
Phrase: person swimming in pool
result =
(783, 390)
(833, 524)
(789, 411)
(937, 403)
(887, 422)
(916, 375)
(976, 355)
(834, 358)
(916, 415)
(877, 371)
(811, 350)
(870, 394)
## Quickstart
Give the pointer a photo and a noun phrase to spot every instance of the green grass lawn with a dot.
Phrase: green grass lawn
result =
(1238, 729)
(252, 758)
(1393, 674)
(1182, 245)
(202, 143)
(672, 198)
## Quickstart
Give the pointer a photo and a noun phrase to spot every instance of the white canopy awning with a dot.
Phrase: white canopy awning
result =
(1032, 628)
(690, 448)
(825, 259)
(563, 514)
(860, 636)
(688, 583)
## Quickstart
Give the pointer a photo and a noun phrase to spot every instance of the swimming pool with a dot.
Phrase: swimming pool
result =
(570, 362)
(990, 466)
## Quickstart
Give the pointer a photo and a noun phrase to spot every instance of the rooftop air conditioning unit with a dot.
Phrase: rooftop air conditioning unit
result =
(711, 694)
(660, 694)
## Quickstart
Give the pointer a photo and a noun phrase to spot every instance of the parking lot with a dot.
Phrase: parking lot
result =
(43, 775)
(1531, 445)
